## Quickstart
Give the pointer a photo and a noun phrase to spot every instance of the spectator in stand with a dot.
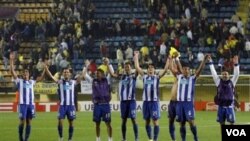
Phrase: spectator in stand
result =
(184, 41)
(234, 18)
(200, 55)
(247, 47)
(177, 9)
(91, 10)
(144, 51)
(163, 51)
(152, 30)
(155, 58)
(92, 67)
(40, 65)
(90, 43)
(64, 63)
(240, 26)
(117, 28)
(163, 12)
(104, 49)
(190, 59)
(190, 36)
(217, 5)
(187, 13)
(204, 13)
(119, 55)
(129, 53)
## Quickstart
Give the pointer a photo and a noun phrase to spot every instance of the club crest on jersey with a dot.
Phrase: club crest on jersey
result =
(67, 87)
(184, 81)
(125, 82)
(27, 86)
(149, 82)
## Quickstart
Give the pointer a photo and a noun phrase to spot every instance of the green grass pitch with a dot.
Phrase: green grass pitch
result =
(44, 127)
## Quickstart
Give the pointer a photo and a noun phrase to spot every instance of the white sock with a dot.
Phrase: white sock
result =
(98, 139)
(110, 139)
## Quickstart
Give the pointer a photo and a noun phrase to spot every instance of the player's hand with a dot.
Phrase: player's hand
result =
(206, 56)
(12, 56)
(175, 54)
(136, 53)
(87, 63)
(236, 59)
(209, 58)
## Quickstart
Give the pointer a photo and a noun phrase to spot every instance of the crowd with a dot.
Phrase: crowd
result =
(74, 32)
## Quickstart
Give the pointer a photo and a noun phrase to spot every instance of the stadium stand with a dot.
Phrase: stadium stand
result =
(50, 30)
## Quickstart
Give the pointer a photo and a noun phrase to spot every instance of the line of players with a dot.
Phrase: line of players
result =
(181, 106)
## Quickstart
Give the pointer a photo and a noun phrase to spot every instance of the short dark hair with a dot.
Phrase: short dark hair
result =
(184, 64)
(127, 62)
(151, 64)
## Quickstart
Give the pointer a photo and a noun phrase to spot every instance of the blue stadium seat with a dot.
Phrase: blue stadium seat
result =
(80, 61)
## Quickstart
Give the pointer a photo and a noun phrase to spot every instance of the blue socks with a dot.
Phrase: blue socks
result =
(71, 130)
(194, 131)
(183, 133)
(27, 132)
(20, 131)
(156, 132)
(135, 127)
(124, 129)
(148, 129)
(60, 131)
(172, 131)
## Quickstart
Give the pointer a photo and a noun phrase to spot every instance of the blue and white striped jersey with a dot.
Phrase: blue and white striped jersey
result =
(186, 88)
(26, 91)
(127, 87)
(66, 92)
(150, 88)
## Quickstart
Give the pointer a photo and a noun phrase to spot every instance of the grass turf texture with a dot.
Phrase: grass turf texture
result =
(44, 127)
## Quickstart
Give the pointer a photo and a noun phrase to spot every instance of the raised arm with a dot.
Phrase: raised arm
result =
(236, 74)
(40, 78)
(85, 74)
(216, 78)
(173, 67)
(201, 67)
(79, 77)
(165, 69)
(110, 68)
(178, 64)
(49, 74)
(137, 65)
(13, 72)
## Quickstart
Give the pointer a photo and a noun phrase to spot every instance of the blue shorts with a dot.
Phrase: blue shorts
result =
(68, 110)
(102, 112)
(172, 109)
(128, 109)
(225, 113)
(184, 111)
(26, 111)
(151, 109)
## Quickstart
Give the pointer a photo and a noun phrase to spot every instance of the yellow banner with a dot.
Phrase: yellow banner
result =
(45, 88)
